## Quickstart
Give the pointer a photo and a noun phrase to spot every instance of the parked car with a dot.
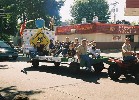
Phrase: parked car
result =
(19, 49)
(7, 52)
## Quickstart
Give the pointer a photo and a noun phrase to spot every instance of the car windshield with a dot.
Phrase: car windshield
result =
(3, 44)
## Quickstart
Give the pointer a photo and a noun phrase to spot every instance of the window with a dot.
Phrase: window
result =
(3, 44)
(131, 37)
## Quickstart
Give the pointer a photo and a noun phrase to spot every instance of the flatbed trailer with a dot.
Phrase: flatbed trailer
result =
(74, 63)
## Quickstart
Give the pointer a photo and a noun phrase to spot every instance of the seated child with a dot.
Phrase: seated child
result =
(71, 51)
(94, 51)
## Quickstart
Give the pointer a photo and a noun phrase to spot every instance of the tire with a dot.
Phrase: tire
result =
(98, 67)
(137, 78)
(14, 58)
(74, 66)
(114, 72)
(127, 76)
(35, 63)
(56, 64)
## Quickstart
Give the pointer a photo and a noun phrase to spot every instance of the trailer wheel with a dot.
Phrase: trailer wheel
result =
(74, 66)
(137, 78)
(114, 72)
(56, 64)
(98, 67)
(35, 63)
(127, 76)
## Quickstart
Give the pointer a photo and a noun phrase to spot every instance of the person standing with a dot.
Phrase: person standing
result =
(52, 23)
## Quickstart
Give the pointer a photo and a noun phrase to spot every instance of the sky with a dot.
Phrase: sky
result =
(65, 11)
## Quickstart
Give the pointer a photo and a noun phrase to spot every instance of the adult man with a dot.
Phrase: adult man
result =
(126, 51)
(82, 54)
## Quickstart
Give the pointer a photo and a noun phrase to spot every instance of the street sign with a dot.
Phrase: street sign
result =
(40, 36)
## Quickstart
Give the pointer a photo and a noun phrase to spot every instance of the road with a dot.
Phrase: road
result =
(60, 83)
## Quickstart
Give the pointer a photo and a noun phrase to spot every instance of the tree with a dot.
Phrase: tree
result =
(29, 10)
(90, 8)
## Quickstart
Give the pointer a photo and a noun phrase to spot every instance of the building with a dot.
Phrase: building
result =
(107, 36)
(132, 8)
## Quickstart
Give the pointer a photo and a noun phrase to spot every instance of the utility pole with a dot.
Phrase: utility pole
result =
(114, 10)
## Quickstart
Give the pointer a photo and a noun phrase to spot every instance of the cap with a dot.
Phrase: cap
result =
(38, 41)
(127, 38)
(83, 39)
(94, 41)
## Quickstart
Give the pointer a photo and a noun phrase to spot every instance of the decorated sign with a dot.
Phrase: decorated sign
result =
(31, 36)
(40, 36)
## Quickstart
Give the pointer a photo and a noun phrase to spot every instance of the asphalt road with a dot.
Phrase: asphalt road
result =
(59, 83)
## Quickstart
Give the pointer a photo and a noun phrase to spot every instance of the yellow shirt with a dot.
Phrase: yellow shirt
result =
(126, 48)
(82, 50)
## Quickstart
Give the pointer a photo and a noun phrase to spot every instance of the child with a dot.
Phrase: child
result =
(71, 51)
(94, 51)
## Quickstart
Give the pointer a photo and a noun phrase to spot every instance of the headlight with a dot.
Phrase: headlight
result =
(3, 51)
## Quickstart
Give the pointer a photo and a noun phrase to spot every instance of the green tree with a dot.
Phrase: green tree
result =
(29, 10)
(90, 8)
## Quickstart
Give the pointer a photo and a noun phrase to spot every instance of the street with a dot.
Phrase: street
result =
(59, 83)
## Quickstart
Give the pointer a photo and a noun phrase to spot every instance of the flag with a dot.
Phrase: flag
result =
(23, 26)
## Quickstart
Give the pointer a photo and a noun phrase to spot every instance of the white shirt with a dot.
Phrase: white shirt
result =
(95, 52)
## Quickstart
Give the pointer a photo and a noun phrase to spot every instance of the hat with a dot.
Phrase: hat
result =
(94, 41)
(38, 41)
(83, 39)
(127, 38)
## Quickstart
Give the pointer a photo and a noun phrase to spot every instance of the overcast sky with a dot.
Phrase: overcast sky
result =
(65, 11)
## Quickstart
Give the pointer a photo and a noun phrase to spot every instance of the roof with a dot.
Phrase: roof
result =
(91, 28)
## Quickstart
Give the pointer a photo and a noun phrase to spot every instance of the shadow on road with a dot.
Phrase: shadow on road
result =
(65, 71)
(125, 80)
(3, 67)
(11, 91)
